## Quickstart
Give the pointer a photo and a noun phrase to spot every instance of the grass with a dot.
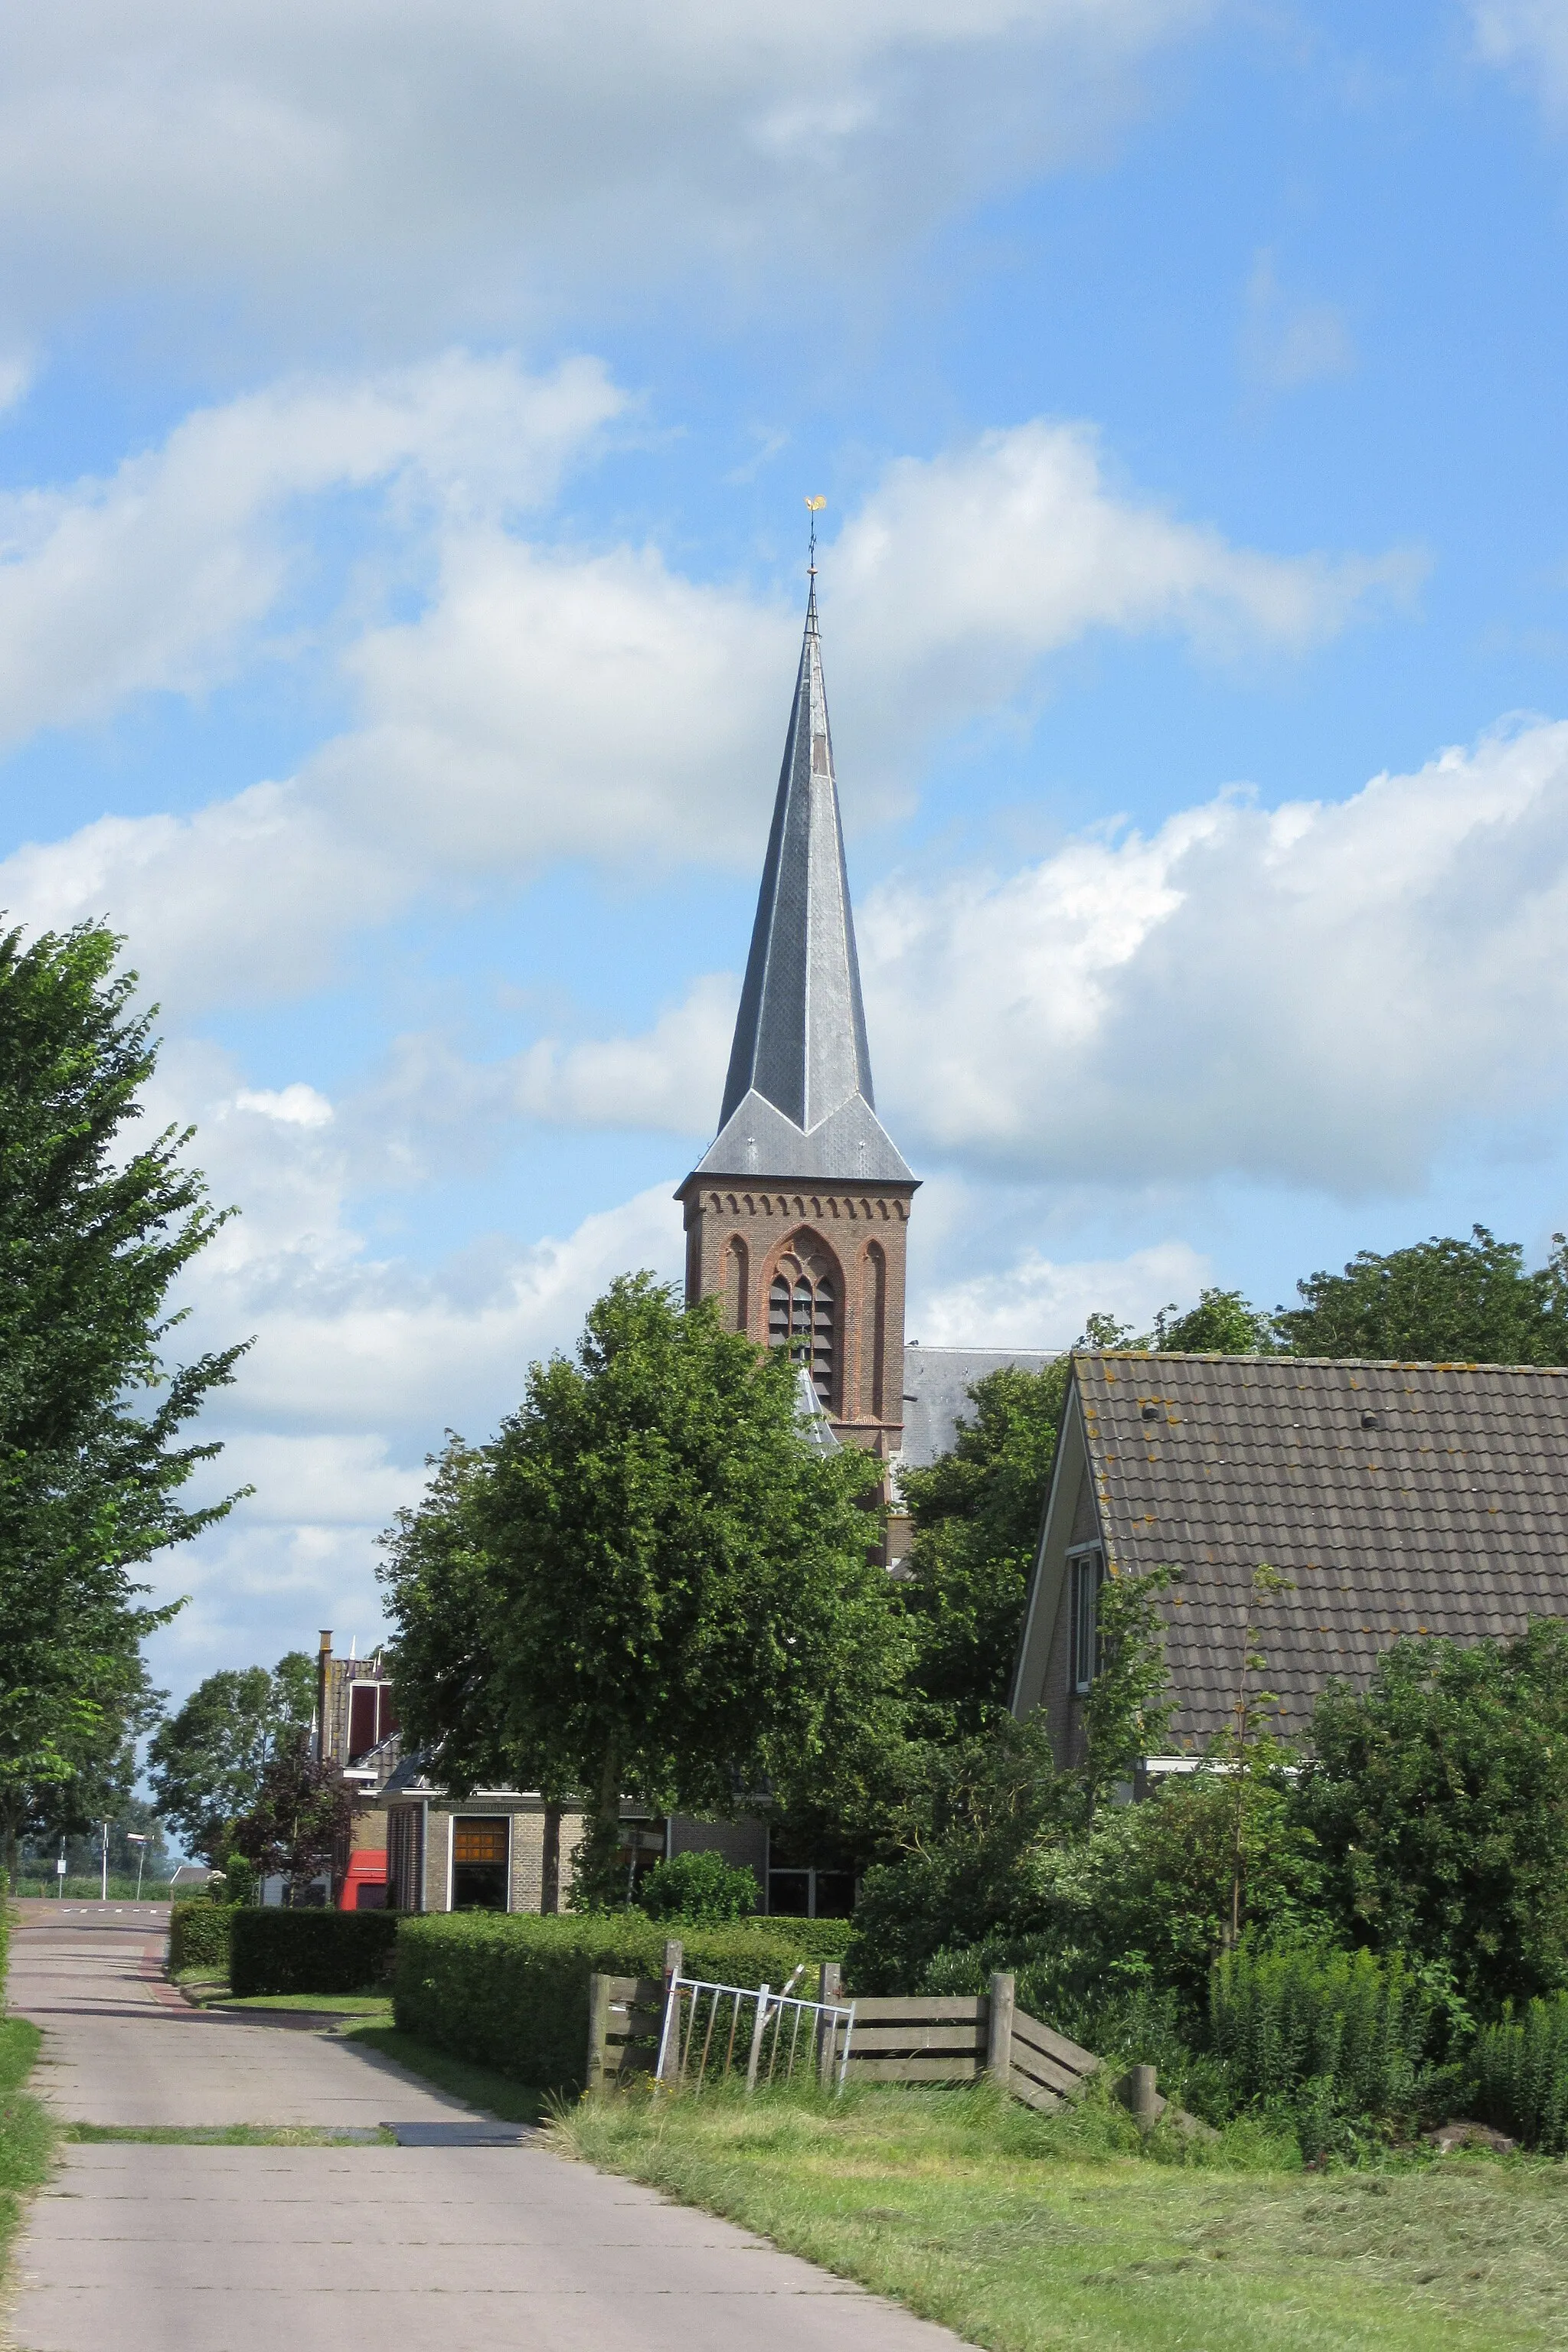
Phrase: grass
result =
(27, 2132)
(226, 2136)
(477, 2086)
(375, 2008)
(1028, 2233)
(85, 1889)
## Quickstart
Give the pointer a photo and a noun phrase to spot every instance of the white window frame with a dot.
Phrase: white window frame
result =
(1086, 1574)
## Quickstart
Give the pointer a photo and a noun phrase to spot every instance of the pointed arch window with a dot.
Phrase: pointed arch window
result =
(802, 1315)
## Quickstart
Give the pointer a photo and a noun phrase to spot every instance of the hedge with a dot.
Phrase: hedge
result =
(513, 1993)
(310, 1951)
(199, 1934)
(809, 1939)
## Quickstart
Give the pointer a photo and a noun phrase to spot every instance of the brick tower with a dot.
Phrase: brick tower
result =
(798, 1213)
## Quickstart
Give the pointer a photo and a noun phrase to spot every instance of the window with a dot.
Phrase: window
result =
(480, 1852)
(373, 1718)
(405, 1858)
(809, 1881)
(802, 1302)
(1086, 1571)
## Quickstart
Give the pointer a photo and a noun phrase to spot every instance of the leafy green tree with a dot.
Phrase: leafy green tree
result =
(976, 1518)
(1438, 1798)
(1223, 1323)
(650, 1585)
(206, 1761)
(93, 1235)
(299, 1821)
(1440, 1301)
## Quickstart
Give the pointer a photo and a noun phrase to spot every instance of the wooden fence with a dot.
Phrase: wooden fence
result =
(958, 2038)
(953, 2039)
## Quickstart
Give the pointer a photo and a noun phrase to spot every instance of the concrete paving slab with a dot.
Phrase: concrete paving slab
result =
(435, 2247)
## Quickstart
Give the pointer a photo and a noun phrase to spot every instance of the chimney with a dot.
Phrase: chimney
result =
(323, 1669)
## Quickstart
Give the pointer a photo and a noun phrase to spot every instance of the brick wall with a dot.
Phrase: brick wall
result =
(735, 1236)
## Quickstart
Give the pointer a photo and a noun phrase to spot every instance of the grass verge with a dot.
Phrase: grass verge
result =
(1028, 2233)
(225, 2135)
(27, 2130)
(477, 2086)
(375, 2008)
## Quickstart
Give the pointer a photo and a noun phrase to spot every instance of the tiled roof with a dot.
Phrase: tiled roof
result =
(1445, 1513)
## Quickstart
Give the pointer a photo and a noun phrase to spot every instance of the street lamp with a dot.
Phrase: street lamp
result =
(135, 1838)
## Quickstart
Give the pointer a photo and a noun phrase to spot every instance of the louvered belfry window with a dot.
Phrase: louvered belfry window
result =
(801, 1316)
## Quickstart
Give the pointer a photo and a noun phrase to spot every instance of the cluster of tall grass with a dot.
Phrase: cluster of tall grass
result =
(1521, 2071)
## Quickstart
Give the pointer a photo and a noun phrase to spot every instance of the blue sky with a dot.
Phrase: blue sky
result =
(407, 420)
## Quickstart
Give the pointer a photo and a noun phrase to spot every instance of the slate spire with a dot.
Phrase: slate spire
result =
(798, 1098)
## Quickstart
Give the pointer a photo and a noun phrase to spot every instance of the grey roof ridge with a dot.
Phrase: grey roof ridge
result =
(1358, 1364)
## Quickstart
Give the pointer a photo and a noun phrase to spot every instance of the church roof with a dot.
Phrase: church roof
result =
(1397, 1498)
(798, 1100)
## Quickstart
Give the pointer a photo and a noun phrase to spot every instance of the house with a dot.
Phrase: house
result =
(1394, 1498)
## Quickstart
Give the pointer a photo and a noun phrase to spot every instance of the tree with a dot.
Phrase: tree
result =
(206, 1761)
(93, 1235)
(650, 1585)
(1440, 1301)
(976, 1515)
(1223, 1323)
(301, 1818)
(1439, 1800)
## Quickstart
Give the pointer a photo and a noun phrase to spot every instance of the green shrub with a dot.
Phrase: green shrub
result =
(238, 1878)
(310, 1951)
(1327, 2035)
(512, 1993)
(199, 1934)
(698, 1886)
(1522, 2076)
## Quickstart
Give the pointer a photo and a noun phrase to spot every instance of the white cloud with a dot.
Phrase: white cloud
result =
(961, 574)
(1287, 342)
(547, 702)
(454, 160)
(433, 1107)
(157, 577)
(1322, 992)
(1039, 1302)
(249, 897)
(550, 704)
(1529, 34)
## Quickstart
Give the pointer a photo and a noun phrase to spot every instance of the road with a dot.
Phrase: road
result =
(139, 2247)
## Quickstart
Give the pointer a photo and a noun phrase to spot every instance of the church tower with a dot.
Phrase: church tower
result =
(798, 1213)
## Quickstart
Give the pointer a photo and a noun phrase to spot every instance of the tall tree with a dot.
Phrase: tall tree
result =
(976, 1517)
(650, 1585)
(1440, 1301)
(93, 1235)
(206, 1761)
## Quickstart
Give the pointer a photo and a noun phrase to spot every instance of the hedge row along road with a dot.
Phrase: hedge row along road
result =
(142, 2244)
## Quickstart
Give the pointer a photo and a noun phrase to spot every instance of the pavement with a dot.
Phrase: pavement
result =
(435, 2245)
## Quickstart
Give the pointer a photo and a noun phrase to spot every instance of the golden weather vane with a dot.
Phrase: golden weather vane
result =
(815, 506)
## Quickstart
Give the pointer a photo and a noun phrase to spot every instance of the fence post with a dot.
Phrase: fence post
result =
(999, 2032)
(1139, 2090)
(598, 2035)
(669, 2023)
(829, 1984)
(760, 2020)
